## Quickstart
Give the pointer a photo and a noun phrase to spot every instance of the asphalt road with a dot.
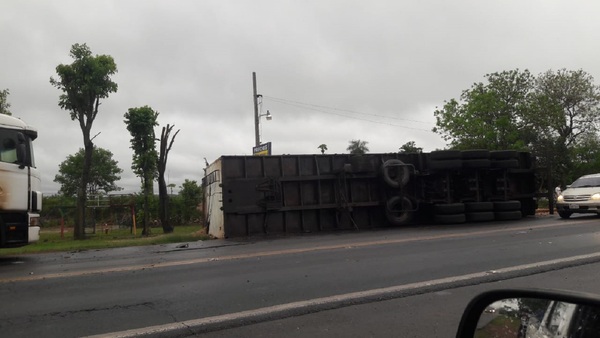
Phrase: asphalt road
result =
(413, 281)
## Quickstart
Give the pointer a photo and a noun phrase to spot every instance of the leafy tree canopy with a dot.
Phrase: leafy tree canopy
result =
(490, 113)
(555, 115)
(191, 194)
(140, 124)
(104, 173)
(323, 148)
(4, 105)
(358, 147)
(567, 106)
(410, 147)
(84, 82)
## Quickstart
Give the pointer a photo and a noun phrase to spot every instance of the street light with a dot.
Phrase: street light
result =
(269, 117)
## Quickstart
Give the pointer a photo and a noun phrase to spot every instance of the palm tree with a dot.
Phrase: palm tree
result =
(358, 147)
(323, 147)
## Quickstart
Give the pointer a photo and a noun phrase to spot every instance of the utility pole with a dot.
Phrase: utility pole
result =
(256, 117)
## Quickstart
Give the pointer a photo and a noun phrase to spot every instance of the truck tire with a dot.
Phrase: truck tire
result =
(445, 155)
(512, 163)
(528, 206)
(512, 205)
(503, 154)
(475, 154)
(480, 216)
(395, 173)
(450, 219)
(508, 215)
(449, 209)
(479, 206)
(526, 160)
(399, 210)
(445, 164)
(477, 163)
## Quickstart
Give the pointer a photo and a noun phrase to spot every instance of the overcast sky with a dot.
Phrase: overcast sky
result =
(329, 71)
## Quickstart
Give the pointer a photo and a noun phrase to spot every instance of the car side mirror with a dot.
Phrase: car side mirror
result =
(531, 313)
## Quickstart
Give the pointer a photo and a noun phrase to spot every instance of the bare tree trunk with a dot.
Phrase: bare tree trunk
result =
(80, 221)
(163, 194)
(147, 191)
(163, 201)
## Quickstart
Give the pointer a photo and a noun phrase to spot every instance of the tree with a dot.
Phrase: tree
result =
(586, 158)
(568, 105)
(191, 194)
(323, 147)
(358, 147)
(410, 147)
(140, 124)
(563, 123)
(163, 194)
(489, 115)
(103, 173)
(84, 83)
(4, 105)
(552, 115)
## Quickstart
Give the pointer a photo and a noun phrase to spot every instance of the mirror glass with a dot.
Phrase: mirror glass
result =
(538, 318)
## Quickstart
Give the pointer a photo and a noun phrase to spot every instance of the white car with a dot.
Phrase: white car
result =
(583, 196)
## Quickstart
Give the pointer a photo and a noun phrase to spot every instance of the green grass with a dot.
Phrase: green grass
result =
(51, 241)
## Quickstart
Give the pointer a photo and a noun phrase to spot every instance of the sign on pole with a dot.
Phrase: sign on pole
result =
(262, 150)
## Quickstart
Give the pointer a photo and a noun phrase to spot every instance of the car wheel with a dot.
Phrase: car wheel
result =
(564, 214)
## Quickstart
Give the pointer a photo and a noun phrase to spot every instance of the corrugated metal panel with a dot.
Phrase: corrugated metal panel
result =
(309, 193)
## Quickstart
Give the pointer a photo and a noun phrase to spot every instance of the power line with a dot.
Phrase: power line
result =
(315, 107)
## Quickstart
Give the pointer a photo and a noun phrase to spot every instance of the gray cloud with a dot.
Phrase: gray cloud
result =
(192, 61)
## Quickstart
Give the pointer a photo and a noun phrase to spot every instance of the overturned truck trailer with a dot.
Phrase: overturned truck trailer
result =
(248, 195)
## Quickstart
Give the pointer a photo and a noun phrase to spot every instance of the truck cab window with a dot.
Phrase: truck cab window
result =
(15, 147)
(8, 149)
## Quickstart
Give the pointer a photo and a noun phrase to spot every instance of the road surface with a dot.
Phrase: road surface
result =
(414, 281)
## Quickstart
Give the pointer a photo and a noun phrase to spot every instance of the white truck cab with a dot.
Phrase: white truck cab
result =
(20, 183)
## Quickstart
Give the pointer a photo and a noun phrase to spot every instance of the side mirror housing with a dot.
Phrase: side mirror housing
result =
(21, 151)
(531, 313)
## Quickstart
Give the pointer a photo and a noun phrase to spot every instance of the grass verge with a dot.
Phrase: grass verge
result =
(51, 241)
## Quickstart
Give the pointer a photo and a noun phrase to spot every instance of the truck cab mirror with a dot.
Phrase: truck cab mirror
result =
(531, 314)
(21, 150)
